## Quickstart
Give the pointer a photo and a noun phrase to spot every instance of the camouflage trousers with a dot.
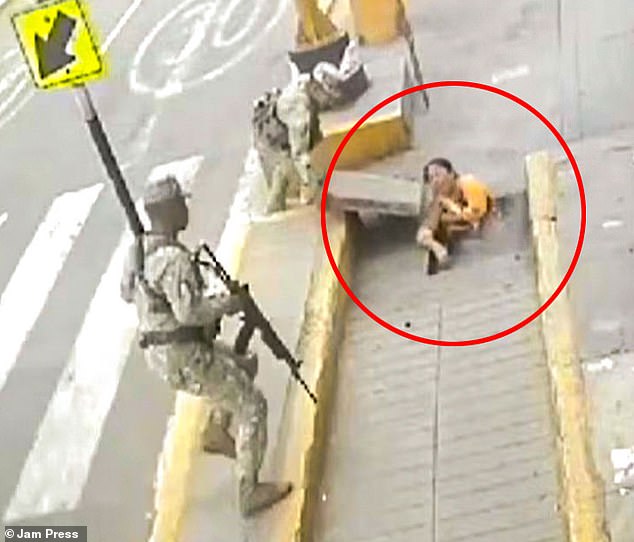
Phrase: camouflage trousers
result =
(287, 177)
(214, 374)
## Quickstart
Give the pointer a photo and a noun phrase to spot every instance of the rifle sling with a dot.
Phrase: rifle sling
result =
(184, 334)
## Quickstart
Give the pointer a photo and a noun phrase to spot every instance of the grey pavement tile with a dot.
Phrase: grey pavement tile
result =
(526, 445)
(493, 399)
(500, 383)
(503, 474)
(525, 526)
(492, 441)
(523, 458)
(457, 378)
(450, 435)
(495, 494)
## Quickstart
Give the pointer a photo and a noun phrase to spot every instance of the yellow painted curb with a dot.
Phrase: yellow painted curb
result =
(377, 138)
(305, 424)
(581, 488)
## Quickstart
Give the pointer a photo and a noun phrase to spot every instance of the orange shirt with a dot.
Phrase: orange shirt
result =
(477, 197)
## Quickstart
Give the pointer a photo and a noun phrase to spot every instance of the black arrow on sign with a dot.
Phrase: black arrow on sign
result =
(51, 53)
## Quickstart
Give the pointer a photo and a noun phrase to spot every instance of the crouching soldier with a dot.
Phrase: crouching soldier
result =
(285, 130)
(178, 324)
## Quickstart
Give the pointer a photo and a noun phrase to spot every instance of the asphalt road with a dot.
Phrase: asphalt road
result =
(81, 418)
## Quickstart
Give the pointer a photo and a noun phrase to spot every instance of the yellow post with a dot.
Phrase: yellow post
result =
(313, 25)
(377, 21)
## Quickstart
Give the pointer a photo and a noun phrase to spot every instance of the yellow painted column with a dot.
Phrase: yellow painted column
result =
(376, 21)
(314, 26)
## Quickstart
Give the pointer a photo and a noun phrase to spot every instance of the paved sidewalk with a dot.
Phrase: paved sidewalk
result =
(442, 444)
(601, 292)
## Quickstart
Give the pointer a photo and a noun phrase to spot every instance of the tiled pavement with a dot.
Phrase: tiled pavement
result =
(442, 443)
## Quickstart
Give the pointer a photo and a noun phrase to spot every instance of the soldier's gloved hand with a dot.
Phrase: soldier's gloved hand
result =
(233, 304)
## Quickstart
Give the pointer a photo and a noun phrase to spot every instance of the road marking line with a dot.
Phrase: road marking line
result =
(121, 24)
(512, 73)
(36, 273)
(184, 170)
(3, 218)
(58, 465)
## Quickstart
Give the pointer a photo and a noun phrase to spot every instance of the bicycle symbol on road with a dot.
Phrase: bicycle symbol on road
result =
(199, 41)
(195, 43)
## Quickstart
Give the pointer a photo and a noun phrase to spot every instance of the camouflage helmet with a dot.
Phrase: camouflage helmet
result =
(162, 189)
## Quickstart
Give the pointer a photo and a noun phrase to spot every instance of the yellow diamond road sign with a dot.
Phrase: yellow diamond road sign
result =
(58, 44)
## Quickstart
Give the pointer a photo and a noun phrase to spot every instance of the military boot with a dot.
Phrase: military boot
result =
(217, 439)
(255, 497)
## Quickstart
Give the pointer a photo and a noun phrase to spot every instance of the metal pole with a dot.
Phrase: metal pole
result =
(114, 172)
(108, 158)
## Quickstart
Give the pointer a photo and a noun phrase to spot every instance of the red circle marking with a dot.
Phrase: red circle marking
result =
(582, 228)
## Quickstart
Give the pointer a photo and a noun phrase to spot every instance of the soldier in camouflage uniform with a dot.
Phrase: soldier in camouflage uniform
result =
(298, 110)
(285, 130)
(270, 138)
(178, 324)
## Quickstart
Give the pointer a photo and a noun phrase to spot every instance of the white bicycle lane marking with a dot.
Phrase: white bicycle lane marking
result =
(14, 82)
(213, 27)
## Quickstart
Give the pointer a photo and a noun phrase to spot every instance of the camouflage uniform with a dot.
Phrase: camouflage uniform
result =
(173, 300)
(286, 128)
(179, 325)
(297, 109)
(270, 137)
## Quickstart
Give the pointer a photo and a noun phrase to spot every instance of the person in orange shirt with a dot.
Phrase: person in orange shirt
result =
(459, 204)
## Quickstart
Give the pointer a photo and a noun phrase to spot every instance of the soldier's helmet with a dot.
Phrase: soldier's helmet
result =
(162, 189)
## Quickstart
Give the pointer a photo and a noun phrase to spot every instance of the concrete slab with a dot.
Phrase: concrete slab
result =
(360, 191)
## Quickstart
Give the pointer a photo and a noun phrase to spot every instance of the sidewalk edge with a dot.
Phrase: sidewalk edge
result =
(318, 343)
(581, 489)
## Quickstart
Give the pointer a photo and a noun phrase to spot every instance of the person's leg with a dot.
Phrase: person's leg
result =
(217, 438)
(231, 389)
(428, 232)
(276, 200)
(247, 362)
(310, 186)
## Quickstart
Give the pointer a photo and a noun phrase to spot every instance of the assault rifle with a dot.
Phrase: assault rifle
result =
(253, 319)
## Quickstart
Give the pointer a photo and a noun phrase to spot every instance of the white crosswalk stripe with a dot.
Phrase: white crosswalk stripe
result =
(28, 288)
